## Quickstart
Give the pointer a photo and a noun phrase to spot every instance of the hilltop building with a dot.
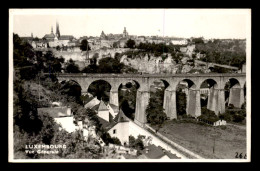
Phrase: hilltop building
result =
(54, 40)
(125, 33)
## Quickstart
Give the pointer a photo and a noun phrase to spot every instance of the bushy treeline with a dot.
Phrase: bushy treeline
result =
(218, 51)
(108, 65)
(154, 112)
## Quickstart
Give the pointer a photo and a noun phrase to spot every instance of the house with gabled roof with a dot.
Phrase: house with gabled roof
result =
(103, 111)
(121, 128)
(61, 115)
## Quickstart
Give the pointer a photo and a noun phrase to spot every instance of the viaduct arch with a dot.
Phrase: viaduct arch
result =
(216, 98)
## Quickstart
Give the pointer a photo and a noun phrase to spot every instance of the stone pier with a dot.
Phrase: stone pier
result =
(216, 100)
(236, 97)
(142, 100)
(221, 101)
(113, 99)
(169, 103)
(193, 103)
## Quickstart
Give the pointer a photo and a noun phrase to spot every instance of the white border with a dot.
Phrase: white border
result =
(13, 12)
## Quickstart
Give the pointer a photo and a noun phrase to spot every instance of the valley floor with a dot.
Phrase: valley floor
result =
(198, 138)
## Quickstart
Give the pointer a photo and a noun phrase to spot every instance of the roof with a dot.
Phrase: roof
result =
(169, 154)
(153, 153)
(49, 35)
(105, 124)
(66, 37)
(40, 41)
(102, 106)
(120, 117)
(123, 39)
(55, 112)
(89, 99)
(27, 38)
(129, 156)
(156, 152)
(95, 108)
(114, 107)
(93, 102)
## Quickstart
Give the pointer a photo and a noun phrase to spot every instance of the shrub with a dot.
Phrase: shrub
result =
(238, 118)
(208, 116)
(225, 116)
(115, 140)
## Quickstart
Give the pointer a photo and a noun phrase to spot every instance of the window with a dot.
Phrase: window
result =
(114, 131)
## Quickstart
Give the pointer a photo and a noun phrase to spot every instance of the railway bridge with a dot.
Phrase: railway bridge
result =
(216, 97)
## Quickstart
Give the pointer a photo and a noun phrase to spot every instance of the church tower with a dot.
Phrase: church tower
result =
(125, 34)
(57, 30)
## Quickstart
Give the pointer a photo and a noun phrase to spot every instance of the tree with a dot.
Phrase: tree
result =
(84, 46)
(58, 48)
(23, 52)
(136, 143)
(154, 111)
(117, 56)
(115, 45)
(130, 43)
(180, 102)
(110, 65)
(99, 89)
(198, 40)
(71, 67)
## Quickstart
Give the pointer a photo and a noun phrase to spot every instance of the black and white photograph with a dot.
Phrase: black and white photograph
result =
(129, 85)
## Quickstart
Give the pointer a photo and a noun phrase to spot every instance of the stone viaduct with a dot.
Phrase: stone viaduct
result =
(216, 98)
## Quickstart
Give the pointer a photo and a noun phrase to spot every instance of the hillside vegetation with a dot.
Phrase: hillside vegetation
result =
(32, 90)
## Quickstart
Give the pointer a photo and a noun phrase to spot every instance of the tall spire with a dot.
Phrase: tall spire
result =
(57, 29)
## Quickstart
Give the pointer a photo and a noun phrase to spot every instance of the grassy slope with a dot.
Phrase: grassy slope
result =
(198, 139)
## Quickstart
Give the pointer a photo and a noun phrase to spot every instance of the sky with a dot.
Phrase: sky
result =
(186, 23)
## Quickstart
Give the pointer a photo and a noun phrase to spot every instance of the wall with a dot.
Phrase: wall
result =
(151, 65)
(66, 123)
(111, 111)
(122, 132)
(104, 115)
(81, 56)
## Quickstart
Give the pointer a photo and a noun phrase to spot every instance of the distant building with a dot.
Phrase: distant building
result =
(125, 33)
(179, 41)
(56, 39)
(27, 39)
(103, 36)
